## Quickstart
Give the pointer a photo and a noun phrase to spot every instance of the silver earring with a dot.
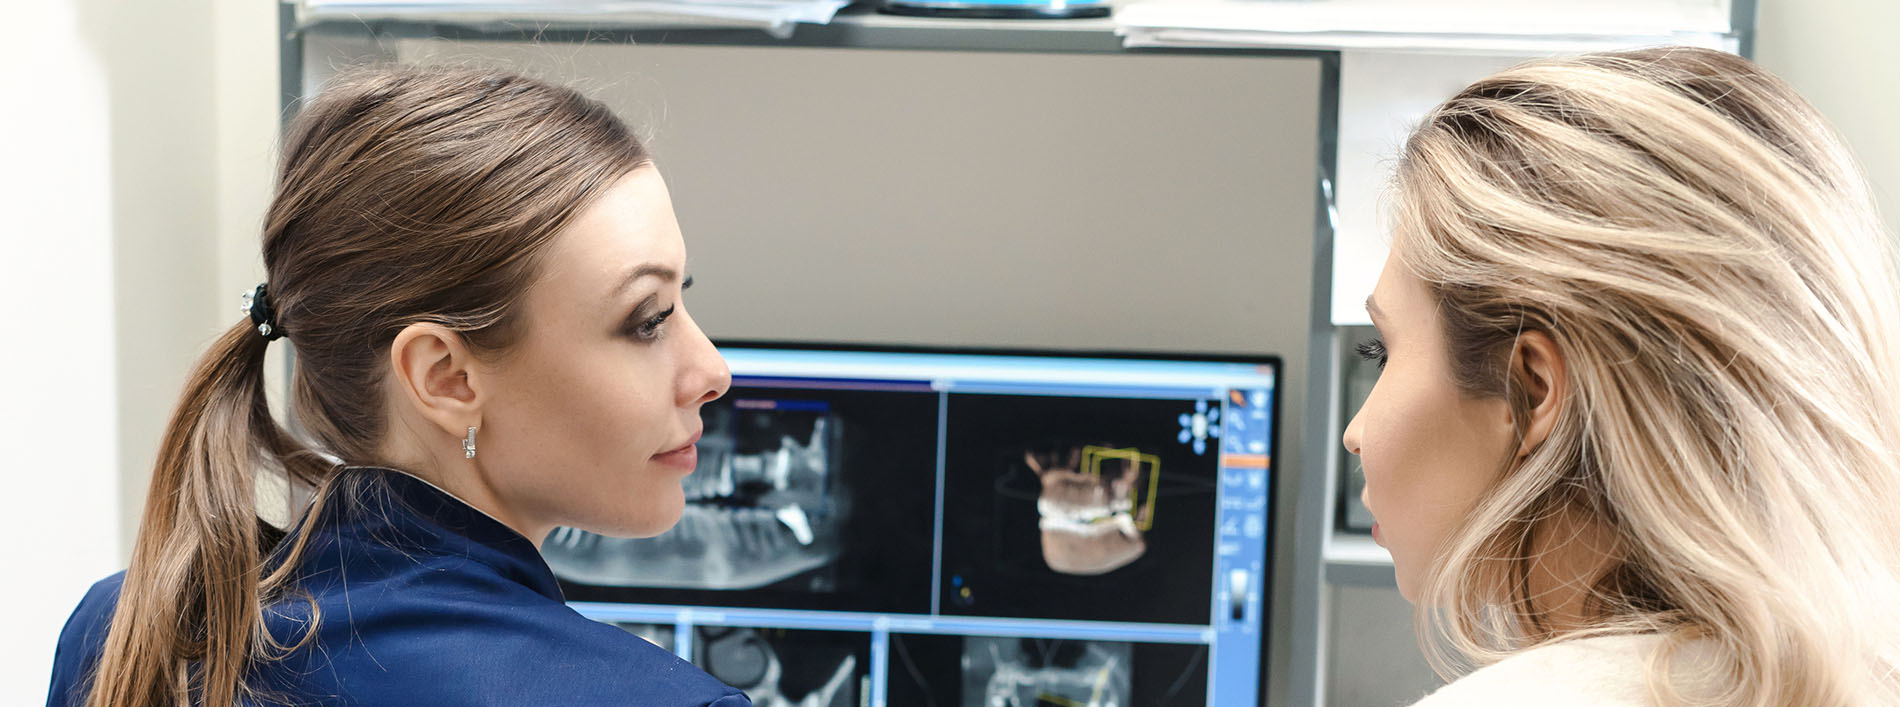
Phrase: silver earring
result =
(468, 445)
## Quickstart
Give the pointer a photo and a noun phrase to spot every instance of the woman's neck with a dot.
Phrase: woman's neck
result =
(1569, 553)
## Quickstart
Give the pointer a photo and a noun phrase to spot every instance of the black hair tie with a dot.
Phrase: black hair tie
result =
(257, 304)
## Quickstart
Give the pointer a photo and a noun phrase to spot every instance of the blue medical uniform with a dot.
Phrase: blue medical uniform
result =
(425, 601)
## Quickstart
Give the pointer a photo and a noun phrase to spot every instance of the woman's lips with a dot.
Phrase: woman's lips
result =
(1375, 534)
(685, 458)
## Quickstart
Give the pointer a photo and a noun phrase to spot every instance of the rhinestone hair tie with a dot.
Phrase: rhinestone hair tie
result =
(257, 305)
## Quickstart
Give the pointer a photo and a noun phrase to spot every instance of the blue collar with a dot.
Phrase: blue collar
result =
(413, 516)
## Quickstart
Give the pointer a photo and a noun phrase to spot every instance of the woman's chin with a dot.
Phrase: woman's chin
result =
(1407, 584)
(652, 517)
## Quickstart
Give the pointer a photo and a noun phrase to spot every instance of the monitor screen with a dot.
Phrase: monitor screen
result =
(962, 528)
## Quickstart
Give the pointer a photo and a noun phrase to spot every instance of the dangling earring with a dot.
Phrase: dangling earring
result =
(468, 445)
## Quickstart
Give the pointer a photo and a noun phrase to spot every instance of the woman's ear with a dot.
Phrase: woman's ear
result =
(1538, 365)
(437, 376)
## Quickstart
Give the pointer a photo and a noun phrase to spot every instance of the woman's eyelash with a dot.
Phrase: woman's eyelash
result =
(1373, 351)
(649, 330)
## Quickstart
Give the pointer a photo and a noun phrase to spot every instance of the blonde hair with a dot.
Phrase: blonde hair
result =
(1700, 246)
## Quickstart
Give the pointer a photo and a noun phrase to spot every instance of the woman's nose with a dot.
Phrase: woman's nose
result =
(706, 377)
(1354, 433)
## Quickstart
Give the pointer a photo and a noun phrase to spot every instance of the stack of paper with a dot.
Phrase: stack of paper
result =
(1502, 26)
(778, 17)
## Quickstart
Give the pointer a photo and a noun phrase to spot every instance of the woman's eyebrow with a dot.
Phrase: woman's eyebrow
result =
(648, 270)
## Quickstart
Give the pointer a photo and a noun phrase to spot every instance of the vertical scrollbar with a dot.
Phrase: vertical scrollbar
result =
(936, 543)
(880, 662)
(683, 637)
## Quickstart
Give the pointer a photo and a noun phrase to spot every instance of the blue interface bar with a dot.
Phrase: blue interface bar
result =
(1044, 370)
(1079, 390)
(894, 623)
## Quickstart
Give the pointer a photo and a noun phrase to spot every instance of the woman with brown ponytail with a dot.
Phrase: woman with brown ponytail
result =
(481, 275)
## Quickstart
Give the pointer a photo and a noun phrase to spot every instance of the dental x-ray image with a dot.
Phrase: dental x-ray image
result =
(1076, 508)
(787, 668)
(1032, 672)
(777, 667)
(753, 517)
(983, 671)
(803, 498)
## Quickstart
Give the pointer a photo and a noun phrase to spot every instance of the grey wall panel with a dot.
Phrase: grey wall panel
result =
(1375, 659)
(1067, 200)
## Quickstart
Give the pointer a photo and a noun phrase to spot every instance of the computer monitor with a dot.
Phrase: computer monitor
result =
(959, 527)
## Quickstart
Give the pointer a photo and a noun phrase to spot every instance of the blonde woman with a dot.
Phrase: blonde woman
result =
(1637, 438)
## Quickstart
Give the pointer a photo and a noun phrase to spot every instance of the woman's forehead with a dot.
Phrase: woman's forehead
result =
(1395, 292)
(626, 234)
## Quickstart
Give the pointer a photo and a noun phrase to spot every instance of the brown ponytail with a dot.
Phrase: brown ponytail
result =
(406, 194)
(198, 544)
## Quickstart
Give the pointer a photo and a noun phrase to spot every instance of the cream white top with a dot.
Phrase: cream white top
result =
(1605, 671)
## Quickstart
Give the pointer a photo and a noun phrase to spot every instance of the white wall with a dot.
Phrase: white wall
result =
(139, 138)
(1844, 56)
(158, 60)
(58, 423)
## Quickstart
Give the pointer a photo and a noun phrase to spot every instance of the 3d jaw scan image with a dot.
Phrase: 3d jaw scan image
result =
(798, 501)
(1076, 508)
(1092, 520)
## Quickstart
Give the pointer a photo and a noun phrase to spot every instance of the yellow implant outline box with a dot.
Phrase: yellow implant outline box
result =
(1092, 458)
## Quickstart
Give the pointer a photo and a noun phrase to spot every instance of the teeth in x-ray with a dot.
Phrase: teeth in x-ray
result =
(711, 548)
(754, 519)
(793, 467)
(1078, 514)
(794, 518)
(1090, 524)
